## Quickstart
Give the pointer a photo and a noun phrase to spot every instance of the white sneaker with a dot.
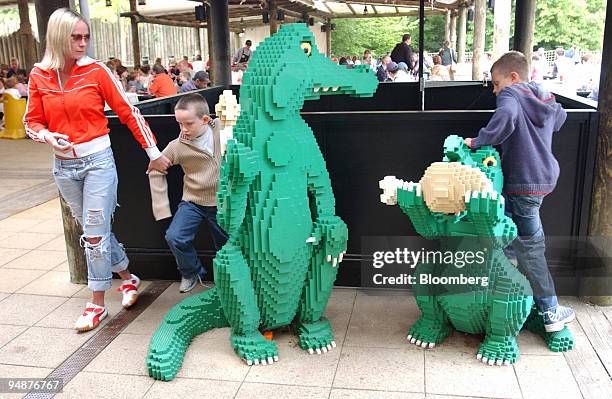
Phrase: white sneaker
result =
(130, 291)
(91, 317)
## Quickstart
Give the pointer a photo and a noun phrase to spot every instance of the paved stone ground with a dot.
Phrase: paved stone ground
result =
(38, 306)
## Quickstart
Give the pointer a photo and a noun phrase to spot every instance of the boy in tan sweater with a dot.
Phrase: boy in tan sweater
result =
(198, 151)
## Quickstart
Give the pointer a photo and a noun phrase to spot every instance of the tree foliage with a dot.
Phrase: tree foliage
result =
(566, 23)
(558, 23)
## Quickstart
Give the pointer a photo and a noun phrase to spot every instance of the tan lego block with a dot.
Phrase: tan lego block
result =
(444, 185)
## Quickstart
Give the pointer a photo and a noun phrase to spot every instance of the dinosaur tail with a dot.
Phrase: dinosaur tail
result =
(192, 316)
(559, 341)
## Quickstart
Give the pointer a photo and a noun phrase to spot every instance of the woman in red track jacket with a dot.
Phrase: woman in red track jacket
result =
(67, 93)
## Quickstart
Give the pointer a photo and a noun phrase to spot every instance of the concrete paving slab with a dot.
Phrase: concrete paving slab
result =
(42, 347)
(381, 369)
(37, 260)
(181, 388)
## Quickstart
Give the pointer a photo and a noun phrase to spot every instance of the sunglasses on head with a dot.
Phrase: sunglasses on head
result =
(79, 37)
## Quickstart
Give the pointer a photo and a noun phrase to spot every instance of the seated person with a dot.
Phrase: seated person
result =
(10, 87)
(439, 71)
(198, 151)
(200, 81)
(162, 84)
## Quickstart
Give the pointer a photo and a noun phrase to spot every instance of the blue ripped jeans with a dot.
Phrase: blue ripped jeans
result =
(89, 186)
(529, 247)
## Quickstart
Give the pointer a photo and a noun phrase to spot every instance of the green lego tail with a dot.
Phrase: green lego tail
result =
(560, 341)
(192, 316)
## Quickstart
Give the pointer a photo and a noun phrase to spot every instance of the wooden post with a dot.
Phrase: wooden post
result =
(273, 21)
(524, 20)
(220, 43)
(480, 20)
(453, 30)
(44, 9)
(447, 26)
(77, 264)
(135, 37)
(198, 41)
(27, 39)
(501, 28)
(598, 289)
(461, 33)
(328, 38)
(210, 60)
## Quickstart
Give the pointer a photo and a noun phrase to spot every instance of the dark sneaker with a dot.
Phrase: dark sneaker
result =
(557, 319)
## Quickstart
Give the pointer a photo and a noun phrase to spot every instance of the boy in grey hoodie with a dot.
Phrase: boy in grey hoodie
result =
(524, 121)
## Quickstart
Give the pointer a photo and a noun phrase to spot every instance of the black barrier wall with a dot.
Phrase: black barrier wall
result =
(362, 140)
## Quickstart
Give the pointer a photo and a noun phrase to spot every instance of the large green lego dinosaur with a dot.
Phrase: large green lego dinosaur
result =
(276, 203)
(458, 202)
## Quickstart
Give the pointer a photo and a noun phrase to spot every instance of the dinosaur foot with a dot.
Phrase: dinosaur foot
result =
(499, 351)
(316, 337)
(427, 333)
(254, 348)
(558, 341)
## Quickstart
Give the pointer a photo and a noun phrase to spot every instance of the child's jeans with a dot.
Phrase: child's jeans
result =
(89, 186)
(529, 247)
(182, 232)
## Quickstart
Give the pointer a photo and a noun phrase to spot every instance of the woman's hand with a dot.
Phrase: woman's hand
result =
(58, 141)
(160, 164)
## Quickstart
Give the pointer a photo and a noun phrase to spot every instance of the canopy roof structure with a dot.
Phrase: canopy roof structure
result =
(248, 13)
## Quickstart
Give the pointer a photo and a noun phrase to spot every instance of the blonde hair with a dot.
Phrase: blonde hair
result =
(59, 31)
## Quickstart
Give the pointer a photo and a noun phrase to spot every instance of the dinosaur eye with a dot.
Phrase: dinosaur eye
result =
(307, 47)
(490, 161)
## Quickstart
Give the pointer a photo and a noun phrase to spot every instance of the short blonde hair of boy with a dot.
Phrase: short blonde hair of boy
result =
(512, 61)
(193, 101)
(59, 31)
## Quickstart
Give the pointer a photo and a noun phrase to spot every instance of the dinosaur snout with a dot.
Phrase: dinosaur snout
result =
(444, 185)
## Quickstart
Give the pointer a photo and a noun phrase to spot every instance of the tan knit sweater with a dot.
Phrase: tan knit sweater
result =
(201, 175)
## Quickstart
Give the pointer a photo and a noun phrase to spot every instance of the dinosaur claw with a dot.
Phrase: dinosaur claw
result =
(256, 362)
(491, 362)
(310, 351)
(424, 345)
(340, 257)
(318, 351)
(328, 258)
(498, 362)
(412, 341)
(432, 344)
(249, 362)
(329, 347)
(333, 344)
(276, 358)
(311, 240)
(270, 360)
(264, 362)
(324, 349)
(334, 262)
(418, 342)
(409, 337)
(506, 362)
(479, 356)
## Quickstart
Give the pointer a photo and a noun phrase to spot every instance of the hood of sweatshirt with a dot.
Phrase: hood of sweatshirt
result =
(538, 103)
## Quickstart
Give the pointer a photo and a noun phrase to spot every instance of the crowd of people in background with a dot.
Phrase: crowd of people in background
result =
(574, 69)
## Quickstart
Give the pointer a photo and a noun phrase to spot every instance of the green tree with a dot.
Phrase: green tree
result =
(566, 23)
(558, 23)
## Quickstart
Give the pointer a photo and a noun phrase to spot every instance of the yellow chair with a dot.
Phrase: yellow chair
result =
(13, 117)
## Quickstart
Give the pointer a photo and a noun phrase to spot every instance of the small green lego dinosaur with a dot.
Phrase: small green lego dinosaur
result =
(458, 202)
(276, 203)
